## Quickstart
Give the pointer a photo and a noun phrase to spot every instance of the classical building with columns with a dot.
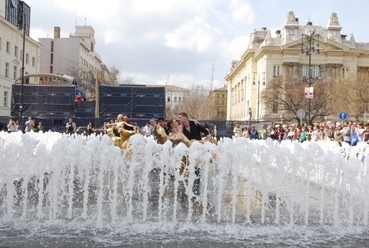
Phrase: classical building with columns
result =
(280, 53)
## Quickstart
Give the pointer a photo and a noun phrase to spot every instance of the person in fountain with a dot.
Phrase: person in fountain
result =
(163, 124)
(176, 134)
(125, 130)
(158, 132)
(193, 132)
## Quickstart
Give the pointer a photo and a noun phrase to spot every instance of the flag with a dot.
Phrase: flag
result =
(354, 139)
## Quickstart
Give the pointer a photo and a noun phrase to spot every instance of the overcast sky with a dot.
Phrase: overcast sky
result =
(184, 42)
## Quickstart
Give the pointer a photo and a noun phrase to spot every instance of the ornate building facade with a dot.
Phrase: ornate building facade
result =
(271, 55)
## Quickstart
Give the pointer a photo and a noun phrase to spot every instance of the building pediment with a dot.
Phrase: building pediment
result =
(324, 45)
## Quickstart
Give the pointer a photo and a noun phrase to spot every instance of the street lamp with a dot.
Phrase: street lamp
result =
(21, 23)
(307, 49)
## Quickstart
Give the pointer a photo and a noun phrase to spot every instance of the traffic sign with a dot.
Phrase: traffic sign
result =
(343, 116)
(301, 113)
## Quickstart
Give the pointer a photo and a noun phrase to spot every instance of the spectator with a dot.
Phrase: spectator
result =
(40, 127)
(147, 130)
(245, 133)
(215, 133)
(79, 97)
(237, 132)
(17, 126)
(262, 133)
(254, 133)
(30, 125)
(70, 127)
(90, 128)
(11, 126)
(346, 131)
(338, 137)
(303, 134)
(366, 133)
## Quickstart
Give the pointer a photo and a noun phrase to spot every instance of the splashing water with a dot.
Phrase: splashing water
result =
(240, 190)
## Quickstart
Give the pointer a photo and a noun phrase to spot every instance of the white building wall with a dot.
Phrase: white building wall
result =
(11, 52)
(74, 53)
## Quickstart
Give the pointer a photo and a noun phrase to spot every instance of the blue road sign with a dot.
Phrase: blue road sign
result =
(343, 116)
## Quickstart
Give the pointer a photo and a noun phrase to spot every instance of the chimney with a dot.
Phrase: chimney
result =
(56, 32)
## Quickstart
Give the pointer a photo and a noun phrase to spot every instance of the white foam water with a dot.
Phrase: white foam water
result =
(237, 192)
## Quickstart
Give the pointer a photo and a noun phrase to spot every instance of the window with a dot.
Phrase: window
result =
(6, 69)
(168, 99)
(316, 71)
(33, 61)
(175, 99)
(27, 58)
(8, 47)
(179, 99)
(5, 99)
(344, 72)
(15, 73)
(276, 71)
(51, 59)
(16, 51)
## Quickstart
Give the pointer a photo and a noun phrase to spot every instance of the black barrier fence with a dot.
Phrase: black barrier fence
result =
(224, 128)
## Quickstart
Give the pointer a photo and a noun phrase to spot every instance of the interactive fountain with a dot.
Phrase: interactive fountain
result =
(245, 189)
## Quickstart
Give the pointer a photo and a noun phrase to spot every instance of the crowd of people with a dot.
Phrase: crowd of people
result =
(347, 131)
(29, 125)
(185, 130)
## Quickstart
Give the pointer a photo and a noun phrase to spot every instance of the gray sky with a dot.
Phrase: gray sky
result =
(187, 42)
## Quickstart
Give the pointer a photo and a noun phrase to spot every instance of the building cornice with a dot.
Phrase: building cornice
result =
(249, 53)
(19, 32)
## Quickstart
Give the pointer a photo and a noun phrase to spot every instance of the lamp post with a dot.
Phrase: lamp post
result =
(307, 49)
(21, 25)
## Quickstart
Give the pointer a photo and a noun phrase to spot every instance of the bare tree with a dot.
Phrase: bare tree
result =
(172, 112)
(196, 103)
(86, 79)
(351, 95)
(128, 80)
(108, 76)
(287, 95)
